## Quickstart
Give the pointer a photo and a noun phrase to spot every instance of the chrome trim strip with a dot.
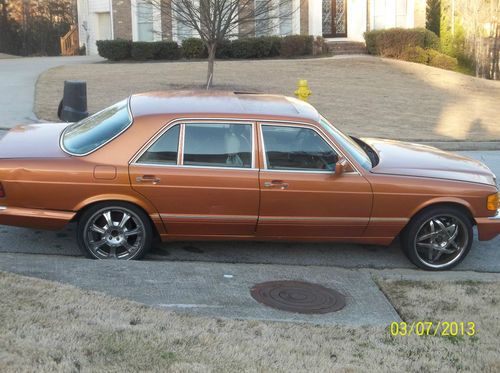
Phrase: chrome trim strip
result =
(194, 166)
(496, 217)
(314, 218)
(131, 118)
(208, 217)
(3, 208)
(308, 172)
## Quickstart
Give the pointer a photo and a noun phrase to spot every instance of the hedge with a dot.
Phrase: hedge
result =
(430, 57)
(193, 48)
(114, 50)
(259, 47)
(394, 42)
(296, 45)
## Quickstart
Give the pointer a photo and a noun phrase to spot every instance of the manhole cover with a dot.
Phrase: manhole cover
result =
(297, 296)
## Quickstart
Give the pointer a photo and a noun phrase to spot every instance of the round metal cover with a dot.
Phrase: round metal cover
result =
(297, 296)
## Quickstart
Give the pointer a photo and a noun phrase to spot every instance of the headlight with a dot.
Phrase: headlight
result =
(493, 202)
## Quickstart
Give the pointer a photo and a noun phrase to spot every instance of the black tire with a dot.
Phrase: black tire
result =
(417, 228)
(133, 246)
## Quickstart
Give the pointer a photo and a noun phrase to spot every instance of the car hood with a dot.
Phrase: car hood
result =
(402, 158)
(39, 140)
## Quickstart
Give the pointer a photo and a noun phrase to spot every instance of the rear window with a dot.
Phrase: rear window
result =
(91, 133)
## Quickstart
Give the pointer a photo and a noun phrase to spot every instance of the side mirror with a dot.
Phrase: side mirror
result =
(340, 166)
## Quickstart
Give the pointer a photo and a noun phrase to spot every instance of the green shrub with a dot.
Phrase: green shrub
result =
(243, 48)
(416, 54)
(296, 45)
(224, 50)
(394, 42)
(142, 50)
(430, 57)
(193, 48)
(442, 61)
(166, 50)
(114, 50)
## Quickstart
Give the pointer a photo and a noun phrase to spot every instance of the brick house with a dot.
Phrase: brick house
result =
(337, 19)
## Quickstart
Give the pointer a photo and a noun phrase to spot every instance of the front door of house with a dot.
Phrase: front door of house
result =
(334, 18)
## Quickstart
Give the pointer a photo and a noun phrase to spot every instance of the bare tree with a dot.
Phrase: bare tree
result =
(217, 20)
(480, 20)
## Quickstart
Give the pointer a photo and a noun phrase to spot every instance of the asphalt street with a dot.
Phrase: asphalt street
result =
(18, 78)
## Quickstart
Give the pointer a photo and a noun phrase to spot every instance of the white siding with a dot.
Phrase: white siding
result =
(88, 22)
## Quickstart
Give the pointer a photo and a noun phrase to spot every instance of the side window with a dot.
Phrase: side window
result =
(297, 148)
(218, 145)
(164, 150)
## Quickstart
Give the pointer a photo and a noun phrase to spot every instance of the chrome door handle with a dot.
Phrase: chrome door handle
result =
(148, 179)
(276, 184)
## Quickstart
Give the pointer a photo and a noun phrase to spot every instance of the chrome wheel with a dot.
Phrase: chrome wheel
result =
(441, 241)
(114, 233)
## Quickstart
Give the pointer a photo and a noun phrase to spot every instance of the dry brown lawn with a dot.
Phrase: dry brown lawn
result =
(366, 96)
(49, 327)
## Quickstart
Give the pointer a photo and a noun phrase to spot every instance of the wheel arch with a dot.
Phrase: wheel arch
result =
(145, 206)
(458, 203)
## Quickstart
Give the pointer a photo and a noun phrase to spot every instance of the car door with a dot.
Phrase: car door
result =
(301, 196)
(202, 178)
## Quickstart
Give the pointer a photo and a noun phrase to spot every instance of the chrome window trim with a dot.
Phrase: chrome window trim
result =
(254, 121)
(301, 125)
(180, 152)
(61, 136)
(191, 166)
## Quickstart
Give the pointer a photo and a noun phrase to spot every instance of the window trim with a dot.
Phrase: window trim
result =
(301, 125)
(257, 123)
(179, 139)
(180, 149)
(61, 136)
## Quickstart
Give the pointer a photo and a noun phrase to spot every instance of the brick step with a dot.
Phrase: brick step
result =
(346, 47)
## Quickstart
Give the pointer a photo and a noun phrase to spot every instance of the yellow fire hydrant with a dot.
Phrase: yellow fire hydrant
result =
(303, 92)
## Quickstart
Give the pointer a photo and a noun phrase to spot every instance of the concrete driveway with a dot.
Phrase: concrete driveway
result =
(17, 85)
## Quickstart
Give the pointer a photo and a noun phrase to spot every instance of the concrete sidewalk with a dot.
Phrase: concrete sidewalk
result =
(18, 78)
(211, 289)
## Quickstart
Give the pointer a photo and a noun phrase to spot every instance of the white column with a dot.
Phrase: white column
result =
(315, 18)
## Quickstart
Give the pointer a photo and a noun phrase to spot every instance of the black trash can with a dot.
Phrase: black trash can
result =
(73, 106)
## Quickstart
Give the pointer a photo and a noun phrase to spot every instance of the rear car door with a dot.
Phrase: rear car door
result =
(202, 178)
(301, 196)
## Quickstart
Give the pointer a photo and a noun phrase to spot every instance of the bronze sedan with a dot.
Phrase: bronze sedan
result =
(239, 166)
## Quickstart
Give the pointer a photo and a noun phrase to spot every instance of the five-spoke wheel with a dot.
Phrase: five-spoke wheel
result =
(438, 238)
(114, 231)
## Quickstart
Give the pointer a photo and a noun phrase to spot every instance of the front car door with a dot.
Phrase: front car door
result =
(301, 196)
(202, 178)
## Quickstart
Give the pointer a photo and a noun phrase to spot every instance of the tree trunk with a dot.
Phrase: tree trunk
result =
(211, 62)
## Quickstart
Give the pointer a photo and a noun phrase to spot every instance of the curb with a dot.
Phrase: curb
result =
(463, 145)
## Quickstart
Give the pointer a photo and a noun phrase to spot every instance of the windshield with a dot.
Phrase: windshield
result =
(89, 134)
(348, 145)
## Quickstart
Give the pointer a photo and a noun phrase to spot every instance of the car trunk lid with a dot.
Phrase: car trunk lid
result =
(39, 140)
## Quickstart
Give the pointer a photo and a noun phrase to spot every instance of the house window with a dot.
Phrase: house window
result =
(182, 29)
(262, 18)
(273, 17)
(389, 13)
(286, 12)
(145, 31)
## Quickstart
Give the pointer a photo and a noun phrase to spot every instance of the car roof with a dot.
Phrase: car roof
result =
(222, 103)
